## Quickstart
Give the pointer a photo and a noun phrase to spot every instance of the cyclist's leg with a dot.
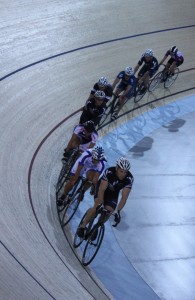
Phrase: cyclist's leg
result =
(91, 213)
(72, 144)
(92, 178)
(107, 215)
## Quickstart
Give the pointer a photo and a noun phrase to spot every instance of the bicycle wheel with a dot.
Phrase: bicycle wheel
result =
(77, 240)
(157, 79)
(171, 78)
(71, 204)
(138, 93)
(62, 177)
(105, 116)
(92, 246)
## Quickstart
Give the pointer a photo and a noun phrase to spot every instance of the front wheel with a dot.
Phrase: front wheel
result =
(139, 94)
(171, 78)
(93, 244)
(157, 79)
(71, 204)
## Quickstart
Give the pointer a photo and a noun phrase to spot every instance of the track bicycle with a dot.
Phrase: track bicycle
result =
(161, 77)
(164, 77)
(94, 234)
(72, 201)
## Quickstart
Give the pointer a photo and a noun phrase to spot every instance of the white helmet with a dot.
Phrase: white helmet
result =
(174, 49)
(100, 94)
(103, 81)
(148, 53)
(98, 153)
(129, 71)
(123, 163)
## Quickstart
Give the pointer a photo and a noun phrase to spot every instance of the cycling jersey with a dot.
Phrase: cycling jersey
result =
(92, 110)
(107, 90)
(114, 183)
(178, 57)
(150, 65)
(86, 161)
(130, 80)
(85, 140)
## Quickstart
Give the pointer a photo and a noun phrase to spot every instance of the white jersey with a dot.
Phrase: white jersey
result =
(86, 161)
(84, 139)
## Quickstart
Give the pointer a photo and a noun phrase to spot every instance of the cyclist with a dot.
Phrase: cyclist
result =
(149, 68)
(84, 136)
(124, 83)
(94, 108)
(113, 180)
(102, 85)
(176, 59)
(90, 164)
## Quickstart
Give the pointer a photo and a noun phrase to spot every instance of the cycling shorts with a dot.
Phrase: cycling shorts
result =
(144, 69)
(178, 63)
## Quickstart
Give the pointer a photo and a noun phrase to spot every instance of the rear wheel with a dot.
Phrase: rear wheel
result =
(93, 244)
(171, 78)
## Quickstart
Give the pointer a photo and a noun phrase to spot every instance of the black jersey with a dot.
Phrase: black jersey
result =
(93, 110)
(151, 65)
(108, 91)
(114, 183)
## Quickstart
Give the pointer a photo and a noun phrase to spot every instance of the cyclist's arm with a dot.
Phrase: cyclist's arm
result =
(103, 186)
(115, 83)
(125, 194)
(162, 61)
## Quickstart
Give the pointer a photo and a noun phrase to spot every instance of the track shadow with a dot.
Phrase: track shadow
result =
(142, 146)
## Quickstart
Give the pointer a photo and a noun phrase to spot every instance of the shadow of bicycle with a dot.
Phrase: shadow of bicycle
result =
(142, 146)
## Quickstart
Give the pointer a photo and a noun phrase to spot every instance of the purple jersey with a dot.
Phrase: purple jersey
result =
(178, 57)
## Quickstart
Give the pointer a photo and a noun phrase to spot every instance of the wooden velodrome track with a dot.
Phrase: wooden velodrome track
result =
(52, 52)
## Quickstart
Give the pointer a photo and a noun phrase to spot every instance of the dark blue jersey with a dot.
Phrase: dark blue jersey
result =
(126, 80)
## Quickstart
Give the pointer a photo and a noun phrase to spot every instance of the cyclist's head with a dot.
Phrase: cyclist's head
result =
(174, 49)
(148, 53)
(123, 164)
(129, 71)
(100, 95)
(103, 82)
(98, 153)
(89, 126)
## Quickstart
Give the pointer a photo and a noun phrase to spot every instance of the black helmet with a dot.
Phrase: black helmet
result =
(89, 126)
(174, 49)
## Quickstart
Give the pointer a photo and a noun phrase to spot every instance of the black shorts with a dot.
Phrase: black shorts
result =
(144, 69)
(111, 202)
(178, 63)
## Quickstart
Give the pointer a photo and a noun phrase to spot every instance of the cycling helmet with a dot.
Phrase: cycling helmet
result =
(129, 71)
(98, 153)
(174, 49)
(89, 126)
(123, 163)
(103, 81)
(148, 53)
(100, 94)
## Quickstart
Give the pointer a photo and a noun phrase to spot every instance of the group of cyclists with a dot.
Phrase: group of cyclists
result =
(106, 183)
